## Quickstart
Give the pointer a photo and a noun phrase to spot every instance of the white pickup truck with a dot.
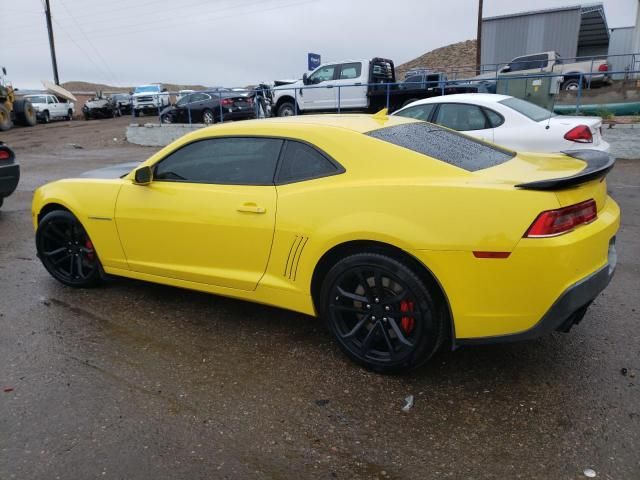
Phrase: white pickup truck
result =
(355, 85)
(49, 107)
(594, 72)
(149, 99)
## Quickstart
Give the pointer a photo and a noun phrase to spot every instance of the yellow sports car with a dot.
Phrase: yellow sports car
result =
(402, 235)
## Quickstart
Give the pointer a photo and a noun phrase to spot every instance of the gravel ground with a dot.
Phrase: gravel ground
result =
(138, 381)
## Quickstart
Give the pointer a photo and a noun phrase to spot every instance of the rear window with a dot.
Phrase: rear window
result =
(445, 145)
(528, 109)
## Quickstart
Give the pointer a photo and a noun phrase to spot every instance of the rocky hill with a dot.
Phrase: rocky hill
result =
(458, 57)
(75, 86)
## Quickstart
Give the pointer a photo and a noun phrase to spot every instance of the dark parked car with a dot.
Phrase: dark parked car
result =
(9, 172)
(123, 102)
(100, 107)
(210, 107)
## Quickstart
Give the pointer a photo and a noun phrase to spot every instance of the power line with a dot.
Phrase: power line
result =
(106, 65)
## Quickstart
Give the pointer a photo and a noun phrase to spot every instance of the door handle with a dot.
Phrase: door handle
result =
(251, 208)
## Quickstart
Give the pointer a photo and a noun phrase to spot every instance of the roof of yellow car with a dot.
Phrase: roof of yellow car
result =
(356, 122)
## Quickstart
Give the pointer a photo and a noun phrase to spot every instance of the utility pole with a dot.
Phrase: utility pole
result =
(478, 38)
(54, 62)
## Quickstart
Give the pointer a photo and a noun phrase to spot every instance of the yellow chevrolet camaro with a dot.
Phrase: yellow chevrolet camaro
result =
(402, 235)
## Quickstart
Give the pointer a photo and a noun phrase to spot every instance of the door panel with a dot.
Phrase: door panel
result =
(320, 93)
(215, 234)
(351, 95)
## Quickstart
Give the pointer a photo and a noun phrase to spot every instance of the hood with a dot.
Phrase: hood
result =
(113, 171)
(100, 103)
(144, 94)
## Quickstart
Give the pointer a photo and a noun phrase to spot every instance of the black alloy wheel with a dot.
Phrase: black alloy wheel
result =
(66, 251)
(382, 314)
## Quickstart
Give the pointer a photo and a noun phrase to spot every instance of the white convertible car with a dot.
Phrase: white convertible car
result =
(510, 122)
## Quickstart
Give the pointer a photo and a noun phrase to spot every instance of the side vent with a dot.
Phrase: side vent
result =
(293, 259)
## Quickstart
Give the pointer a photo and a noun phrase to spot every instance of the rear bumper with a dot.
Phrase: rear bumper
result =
(9, 178)
(567, 310)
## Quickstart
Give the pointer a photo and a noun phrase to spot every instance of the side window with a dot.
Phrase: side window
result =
(323, 74)
(50, 99)
(518, 64)
(461, 117)
(236, 161)
(419, 112)
(495, 119)
(349, 71)
(414, 81)
(199, 97)
(303, 162)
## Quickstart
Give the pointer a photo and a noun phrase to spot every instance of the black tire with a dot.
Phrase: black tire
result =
(571, 84)
(5, 119)
(208, 118)
(24, 112)
(1, 201)
(136, 113)
(382, 314)
(167, 119)
(286, 109)
(65, 250)
(86, 116)
(69, 115)
(45, 117)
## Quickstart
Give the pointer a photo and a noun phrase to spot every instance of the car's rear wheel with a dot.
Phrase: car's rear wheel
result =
(571, 84)
(207, 117)
(66, 251)
(45, 117)
(382, 314)
(69, 115)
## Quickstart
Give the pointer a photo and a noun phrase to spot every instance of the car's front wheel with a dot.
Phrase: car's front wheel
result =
(208, 118)
(66, 251)
(382, 314)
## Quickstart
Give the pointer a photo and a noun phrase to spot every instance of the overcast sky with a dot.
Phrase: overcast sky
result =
(235, 42)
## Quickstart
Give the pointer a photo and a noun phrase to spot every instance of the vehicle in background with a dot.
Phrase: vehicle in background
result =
(49, 107)
(100, 107)
(510, 122)
(183, 93)
(149, 99)
(12, 110)
(123, 102)
(594, 72)
(9, 172)
(363, 87)
(209, 107)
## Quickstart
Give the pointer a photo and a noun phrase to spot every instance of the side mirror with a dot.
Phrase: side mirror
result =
(305, 79)
(142, 176)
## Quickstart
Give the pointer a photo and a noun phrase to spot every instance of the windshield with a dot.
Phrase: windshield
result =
(38, 99)
(147, 89)
(528, 109)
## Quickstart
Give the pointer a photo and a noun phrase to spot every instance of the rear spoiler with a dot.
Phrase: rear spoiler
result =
(598, 165)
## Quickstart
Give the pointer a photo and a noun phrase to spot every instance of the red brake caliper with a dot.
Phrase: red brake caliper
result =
(407, 323)
(89, 246)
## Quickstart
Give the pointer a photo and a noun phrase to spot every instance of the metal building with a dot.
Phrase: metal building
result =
(624, 48)
(570, 31)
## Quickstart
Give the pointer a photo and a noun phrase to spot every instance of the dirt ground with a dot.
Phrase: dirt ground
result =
(138, 381)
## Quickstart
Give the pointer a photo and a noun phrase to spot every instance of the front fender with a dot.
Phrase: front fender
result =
(92, 202)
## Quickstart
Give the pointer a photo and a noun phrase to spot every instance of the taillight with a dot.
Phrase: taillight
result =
(5, 155)
(580, 134)
(603, 68)
(226, 102)
(556, 222)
